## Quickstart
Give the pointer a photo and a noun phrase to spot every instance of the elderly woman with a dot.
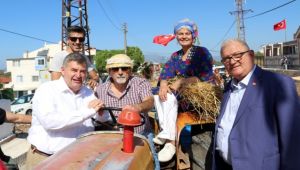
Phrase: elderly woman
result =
(190, 64)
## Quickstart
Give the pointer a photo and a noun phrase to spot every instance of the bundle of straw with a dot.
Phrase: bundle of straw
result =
(204, 97)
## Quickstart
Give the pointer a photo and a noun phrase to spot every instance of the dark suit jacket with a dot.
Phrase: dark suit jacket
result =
(266, 132)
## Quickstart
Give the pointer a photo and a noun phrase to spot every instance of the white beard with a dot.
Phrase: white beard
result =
(121, 80)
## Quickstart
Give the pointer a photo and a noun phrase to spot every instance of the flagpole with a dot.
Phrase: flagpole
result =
(285, 30)
(285, 35)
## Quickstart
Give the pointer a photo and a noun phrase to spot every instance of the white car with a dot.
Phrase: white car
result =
(22, 105)
(221, 69)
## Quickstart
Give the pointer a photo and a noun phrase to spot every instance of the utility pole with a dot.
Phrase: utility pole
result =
(74, 12)
(239, 13)
(125, 39)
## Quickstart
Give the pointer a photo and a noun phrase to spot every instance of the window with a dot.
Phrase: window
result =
(276, 51)
(16, 63)
(41, 62)
(19, 79)
(35, 78)
(268, 52)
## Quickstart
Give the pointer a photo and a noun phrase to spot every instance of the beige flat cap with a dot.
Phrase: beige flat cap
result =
(119, 60)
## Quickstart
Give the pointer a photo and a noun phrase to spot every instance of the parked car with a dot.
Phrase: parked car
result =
(221, 69)
(22, 105)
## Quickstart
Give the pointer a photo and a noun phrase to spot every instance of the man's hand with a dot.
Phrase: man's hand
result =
(95, 104)
(92, 84)
(135, 107)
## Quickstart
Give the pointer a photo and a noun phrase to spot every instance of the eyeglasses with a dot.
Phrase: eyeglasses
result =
(235, 57)
(74, 39)
(115, 69)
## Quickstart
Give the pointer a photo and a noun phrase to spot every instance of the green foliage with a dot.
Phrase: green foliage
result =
(218, 63)
(102, 55)
(259, 58)
(6, 93)
(137, 55)
(259, 54)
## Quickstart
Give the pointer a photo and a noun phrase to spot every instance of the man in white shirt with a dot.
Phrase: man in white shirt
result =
(62, 111)
(76, 38)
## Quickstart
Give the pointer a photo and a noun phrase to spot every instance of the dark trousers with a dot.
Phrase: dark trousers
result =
(220, 163)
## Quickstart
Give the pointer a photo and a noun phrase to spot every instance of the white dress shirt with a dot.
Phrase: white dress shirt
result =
(225, 126)
(59, 116)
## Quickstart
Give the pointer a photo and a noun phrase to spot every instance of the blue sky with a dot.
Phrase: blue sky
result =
(145, 19)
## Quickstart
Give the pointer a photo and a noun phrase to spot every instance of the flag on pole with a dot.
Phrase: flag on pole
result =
(163, 39)
(280, 25)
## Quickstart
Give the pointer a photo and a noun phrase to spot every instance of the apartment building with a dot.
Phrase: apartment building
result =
(284, 55)
(28, 72)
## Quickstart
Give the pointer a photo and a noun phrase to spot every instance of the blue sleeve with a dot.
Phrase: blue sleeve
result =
(169, 69)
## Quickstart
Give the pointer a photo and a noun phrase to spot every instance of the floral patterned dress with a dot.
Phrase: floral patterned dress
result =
(198, 63)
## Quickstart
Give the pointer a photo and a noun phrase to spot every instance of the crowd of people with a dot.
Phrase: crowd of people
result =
(256, 129)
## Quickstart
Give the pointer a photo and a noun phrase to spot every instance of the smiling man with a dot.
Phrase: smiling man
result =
(75, 42)
(258, 126)
(126, 91)
(62, 111)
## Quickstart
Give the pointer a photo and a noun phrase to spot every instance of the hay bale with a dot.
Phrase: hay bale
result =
(204, 97)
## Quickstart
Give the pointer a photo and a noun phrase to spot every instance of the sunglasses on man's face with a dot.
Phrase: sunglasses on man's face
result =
(115, 69)
(74, 39)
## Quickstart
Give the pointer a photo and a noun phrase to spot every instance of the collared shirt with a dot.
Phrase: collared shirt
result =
(137, 89)
(225, 126)
(58, 60)
(59, 116)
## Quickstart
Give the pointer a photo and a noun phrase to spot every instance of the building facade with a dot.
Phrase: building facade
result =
(28, 72)
(284, 55)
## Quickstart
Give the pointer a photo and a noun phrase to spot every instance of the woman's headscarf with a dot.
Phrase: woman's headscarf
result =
(185, 23)
(190, 25)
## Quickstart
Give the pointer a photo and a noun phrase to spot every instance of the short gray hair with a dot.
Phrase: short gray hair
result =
(77, 57)
(229, 41)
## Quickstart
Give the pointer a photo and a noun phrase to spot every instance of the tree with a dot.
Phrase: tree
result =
(6, 93)
(259, 58)
(102, 55)
(137, 55)
(217, 63)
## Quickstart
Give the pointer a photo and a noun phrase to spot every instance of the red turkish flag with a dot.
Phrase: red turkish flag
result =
(163, 39)
(280, 25)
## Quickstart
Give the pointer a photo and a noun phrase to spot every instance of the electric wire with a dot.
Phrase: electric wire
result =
(27, 36)
(270, 10)
(223, 38)
(109, 19)
(249, 18)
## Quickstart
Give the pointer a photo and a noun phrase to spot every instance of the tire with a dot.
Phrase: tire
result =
(29, 112)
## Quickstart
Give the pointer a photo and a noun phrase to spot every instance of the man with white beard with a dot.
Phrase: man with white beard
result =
(126, 91)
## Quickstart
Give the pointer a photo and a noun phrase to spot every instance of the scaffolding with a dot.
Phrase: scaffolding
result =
(74, 12)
